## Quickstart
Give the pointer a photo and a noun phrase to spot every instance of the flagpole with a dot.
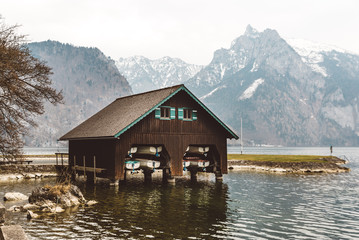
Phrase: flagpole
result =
(241, 138)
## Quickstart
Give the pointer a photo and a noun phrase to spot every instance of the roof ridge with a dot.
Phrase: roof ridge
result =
(156, 90)
(125, 112)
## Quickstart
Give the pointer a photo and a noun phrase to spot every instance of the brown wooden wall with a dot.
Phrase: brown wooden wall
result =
(103, 149)
(175, 135)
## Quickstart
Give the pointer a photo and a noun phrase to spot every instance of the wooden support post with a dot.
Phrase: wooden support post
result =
(84, 165)
(125, 176)
(62, 159)
(219, 176)
(171, 180)
(114, 182)
(148, 176)
(75, 164)
(193, 175)
(94, 169)
(74, 168)
(165, 175)
(57, 159)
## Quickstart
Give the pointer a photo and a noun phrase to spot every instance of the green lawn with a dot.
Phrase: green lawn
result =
(278, 158)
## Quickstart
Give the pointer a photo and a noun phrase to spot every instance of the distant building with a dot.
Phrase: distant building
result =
(172, 118)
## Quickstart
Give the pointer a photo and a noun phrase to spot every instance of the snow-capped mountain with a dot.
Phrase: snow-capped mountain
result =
(144, 74)
(287, 92)
(313, 53)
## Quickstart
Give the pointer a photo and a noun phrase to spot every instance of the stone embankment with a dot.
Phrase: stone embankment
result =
(26, 171)
(328, 166)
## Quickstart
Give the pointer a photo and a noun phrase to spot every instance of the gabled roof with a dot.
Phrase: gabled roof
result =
(123, 113)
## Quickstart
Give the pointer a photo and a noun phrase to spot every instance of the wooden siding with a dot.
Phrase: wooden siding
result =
(103, 149)
(175, 135)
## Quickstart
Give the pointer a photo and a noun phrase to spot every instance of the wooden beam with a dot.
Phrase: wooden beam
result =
(84, 166)
(94, 167)
(88, 169)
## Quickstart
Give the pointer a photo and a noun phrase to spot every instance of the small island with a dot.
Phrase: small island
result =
(287, 163)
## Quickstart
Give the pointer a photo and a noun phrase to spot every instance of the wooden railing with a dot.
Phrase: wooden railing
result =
(60, 156)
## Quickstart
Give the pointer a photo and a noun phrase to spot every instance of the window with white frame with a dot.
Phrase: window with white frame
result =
(165, 112)
(187, 114)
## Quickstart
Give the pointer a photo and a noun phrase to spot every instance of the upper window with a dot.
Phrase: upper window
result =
(187, 114)
(165, 112)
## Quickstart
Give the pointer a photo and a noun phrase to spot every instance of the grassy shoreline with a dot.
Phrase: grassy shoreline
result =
(281, 158)
(287, 163)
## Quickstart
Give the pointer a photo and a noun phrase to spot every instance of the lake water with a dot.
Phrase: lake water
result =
(247, 205)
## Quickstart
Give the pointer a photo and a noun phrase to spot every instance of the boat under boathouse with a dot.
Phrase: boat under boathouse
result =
(169, 129)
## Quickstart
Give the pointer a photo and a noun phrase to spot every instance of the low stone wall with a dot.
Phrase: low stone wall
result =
(19, 172)
(26, 168)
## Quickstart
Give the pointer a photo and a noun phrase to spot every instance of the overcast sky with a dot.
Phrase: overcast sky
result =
(188, 29)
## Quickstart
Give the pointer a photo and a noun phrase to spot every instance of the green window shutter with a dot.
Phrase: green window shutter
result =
(180, 113)
(194, 115)
(173, 113)
(157, 113)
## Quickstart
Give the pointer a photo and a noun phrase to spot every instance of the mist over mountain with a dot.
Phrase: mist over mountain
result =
(144, 74)
(89, 81)
(288, 92)
(288, 95)
(291, 93)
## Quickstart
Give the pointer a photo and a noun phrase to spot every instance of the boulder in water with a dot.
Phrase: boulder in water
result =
(15, 196)
(54, 199)
(31, 214)
(91, 202)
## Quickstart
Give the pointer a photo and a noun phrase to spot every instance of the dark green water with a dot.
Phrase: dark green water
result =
(246, 205)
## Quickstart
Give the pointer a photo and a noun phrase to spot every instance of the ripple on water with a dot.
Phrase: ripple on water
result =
(246, 206)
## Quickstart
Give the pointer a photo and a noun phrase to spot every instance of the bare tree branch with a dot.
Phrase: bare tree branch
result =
(25, 85)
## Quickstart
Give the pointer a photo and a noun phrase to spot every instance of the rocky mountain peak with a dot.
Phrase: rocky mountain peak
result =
(284, 96)
(250, 31)
(145, 74)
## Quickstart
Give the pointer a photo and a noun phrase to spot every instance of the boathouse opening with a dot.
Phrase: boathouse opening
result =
(147, 157)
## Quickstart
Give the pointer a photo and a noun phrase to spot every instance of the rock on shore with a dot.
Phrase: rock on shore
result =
(63, 196)
(50, 200)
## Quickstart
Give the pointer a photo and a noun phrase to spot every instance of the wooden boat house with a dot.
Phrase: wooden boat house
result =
(170, 119)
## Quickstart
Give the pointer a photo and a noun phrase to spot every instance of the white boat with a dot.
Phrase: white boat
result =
(142, 164)
(197, 149)
(195, 164)
(148, 164)
(145, 150)
(186, 164)
(132, 165)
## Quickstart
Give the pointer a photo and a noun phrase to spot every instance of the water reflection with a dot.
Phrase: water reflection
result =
(248, 205)
(137, 211)
(162, 211)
